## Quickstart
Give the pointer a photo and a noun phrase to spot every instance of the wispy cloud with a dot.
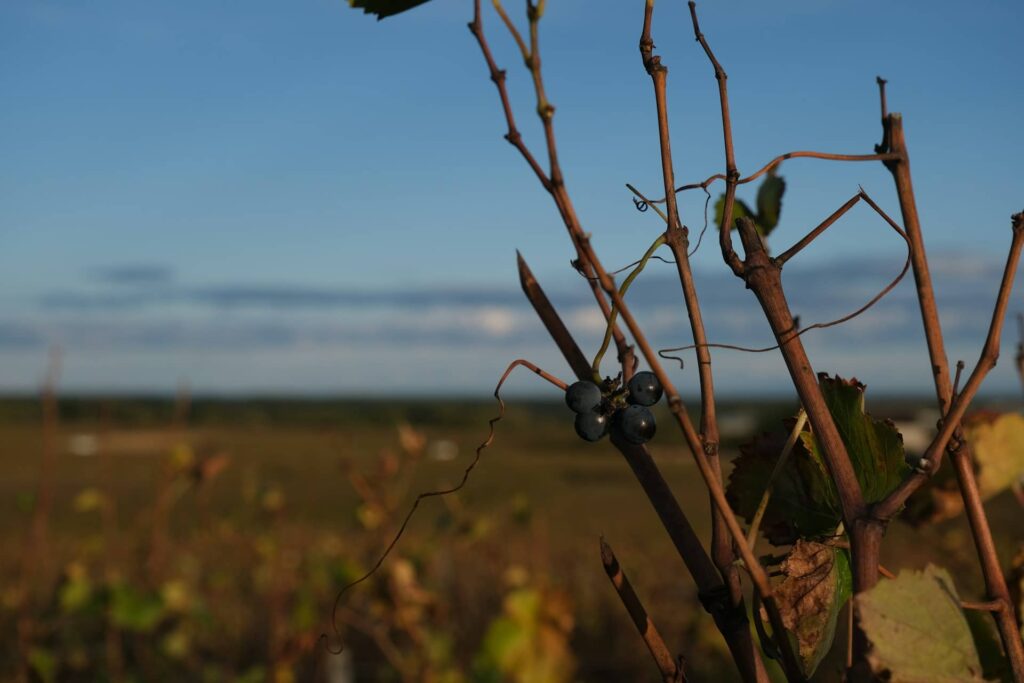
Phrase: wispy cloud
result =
(135, 274)
(141, 295)
(145, 310)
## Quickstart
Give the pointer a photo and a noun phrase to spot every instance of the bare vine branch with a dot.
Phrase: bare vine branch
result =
(670, 672)
(553, 183)
(894, 141)
(677, 237)
(712, 592)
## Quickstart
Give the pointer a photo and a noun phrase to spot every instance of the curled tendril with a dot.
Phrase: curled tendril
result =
(667, 356)
(640, 205)
(324, 637)
(626, 267)
(700, 238)
(797, 331)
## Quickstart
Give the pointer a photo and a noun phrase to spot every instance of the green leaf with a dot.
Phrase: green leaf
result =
(133, 610)
(917, 630)
(739, 210)
(769, 202)
(817, 584)
(805, 502)
(875, 447)
(796, 508)
(384, 8)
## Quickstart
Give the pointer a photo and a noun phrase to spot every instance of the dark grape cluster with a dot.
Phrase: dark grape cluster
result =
(624, 410)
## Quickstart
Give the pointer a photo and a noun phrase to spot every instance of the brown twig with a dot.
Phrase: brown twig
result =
(894, 141)
(815, 326)
(884, 146)
(677, 238)
(813, 234)
(670, 673)
(714, 596)
(995, 581)
(676, 406)
(552, 183)
(762, 276)
(985, 606)
(1018, 358)
(801, 154)
(552, 321)
(678, 410)
(732, 175)
(956, 378)
(951, 420)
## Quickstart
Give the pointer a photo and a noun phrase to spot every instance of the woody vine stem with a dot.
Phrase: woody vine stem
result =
(716, 574)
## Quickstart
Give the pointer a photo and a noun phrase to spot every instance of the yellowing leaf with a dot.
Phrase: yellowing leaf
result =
(917, 630)
(530, 641)
(176, 595)
(182, 457)
(412, 441)
(998, 447)
(88, 500)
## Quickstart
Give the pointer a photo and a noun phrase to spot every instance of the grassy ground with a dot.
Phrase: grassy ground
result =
(263, 543)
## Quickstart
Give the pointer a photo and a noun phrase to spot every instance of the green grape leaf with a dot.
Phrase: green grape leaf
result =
(875, 446)
(769, 202)
(917, 630)
(384, 8)
(796, 508)
(804, 501)
(739, 210)
(817, 584)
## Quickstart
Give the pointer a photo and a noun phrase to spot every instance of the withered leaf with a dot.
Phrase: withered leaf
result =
(817, 584)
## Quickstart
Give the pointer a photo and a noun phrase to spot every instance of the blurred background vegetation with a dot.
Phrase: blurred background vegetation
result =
(159, 539)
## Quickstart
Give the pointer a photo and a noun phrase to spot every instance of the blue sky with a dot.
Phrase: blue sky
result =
(293, 197)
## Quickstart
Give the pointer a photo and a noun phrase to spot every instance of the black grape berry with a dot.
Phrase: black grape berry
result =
(591, 426)
(636, 423)
(644, 389)
(583, 397)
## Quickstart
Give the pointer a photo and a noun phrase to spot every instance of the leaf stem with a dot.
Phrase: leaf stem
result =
(755, 525)
(615, 309)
